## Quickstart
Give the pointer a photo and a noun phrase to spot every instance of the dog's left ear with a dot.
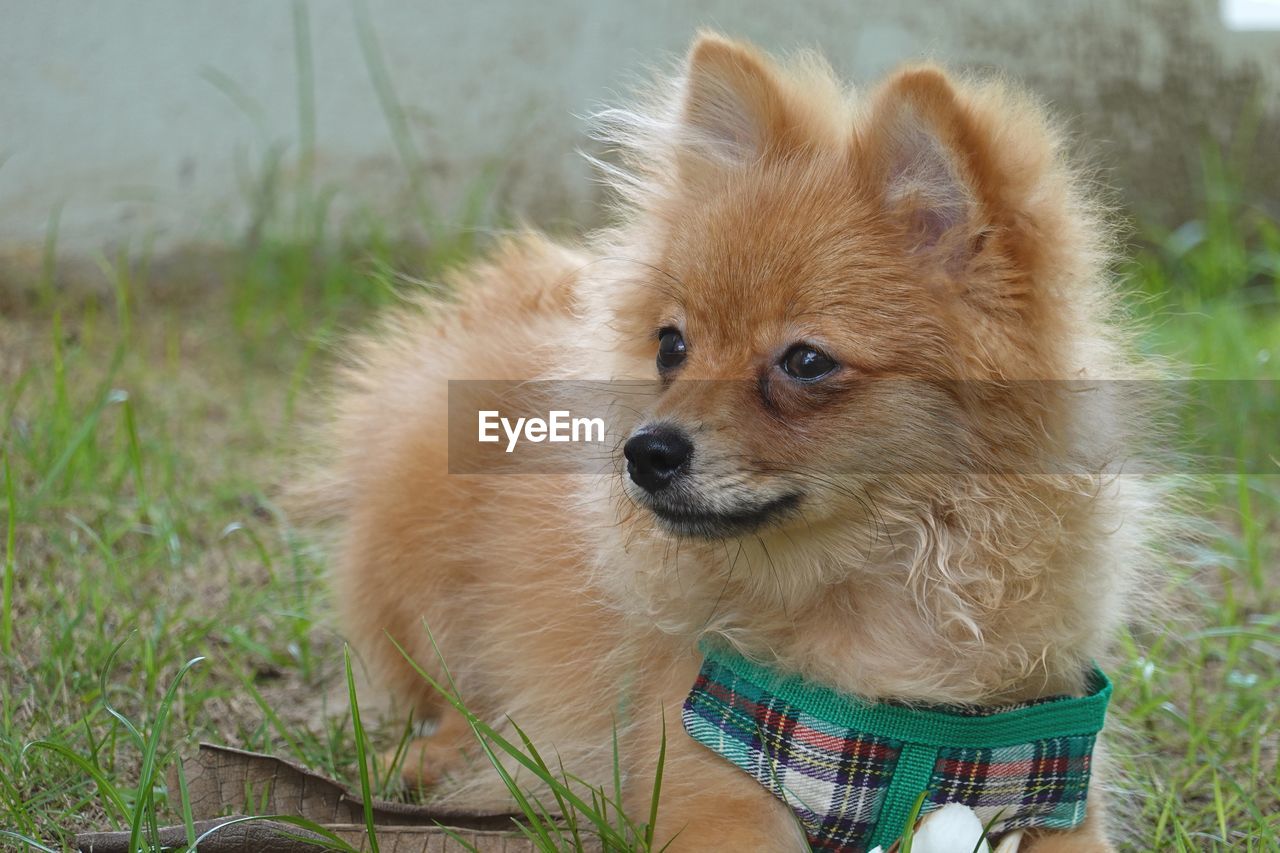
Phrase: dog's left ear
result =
(928, 160)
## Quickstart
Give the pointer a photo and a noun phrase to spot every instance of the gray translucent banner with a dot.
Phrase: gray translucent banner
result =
(880, 427)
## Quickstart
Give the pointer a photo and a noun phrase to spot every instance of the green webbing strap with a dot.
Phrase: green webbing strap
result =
(923, 730)
(911, 776)
(935, 725)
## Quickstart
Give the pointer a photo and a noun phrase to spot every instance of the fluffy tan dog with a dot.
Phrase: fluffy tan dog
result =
(874, 488)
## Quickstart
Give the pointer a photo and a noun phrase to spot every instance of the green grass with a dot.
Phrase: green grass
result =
(145, 427)
(1201, 696)
(141, 438)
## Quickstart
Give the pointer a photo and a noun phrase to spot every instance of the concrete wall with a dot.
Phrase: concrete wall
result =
(155, 117)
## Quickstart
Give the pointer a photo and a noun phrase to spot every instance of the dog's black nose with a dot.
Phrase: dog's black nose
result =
(655, 456)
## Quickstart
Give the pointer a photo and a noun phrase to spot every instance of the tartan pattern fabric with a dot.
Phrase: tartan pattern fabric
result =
(837, 777)
(1041, 784)
(834, 783)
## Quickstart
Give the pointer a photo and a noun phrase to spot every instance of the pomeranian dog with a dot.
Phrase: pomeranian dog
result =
(865, 462)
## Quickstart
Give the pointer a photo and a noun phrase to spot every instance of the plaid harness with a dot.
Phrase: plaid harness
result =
(853, 771)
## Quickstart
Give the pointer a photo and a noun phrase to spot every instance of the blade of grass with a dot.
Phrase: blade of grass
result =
(306, 95)
(522, 801)
(110, 796)
(272, 717)
(104, 692)
(49, 260)
(489, 734)
(909, 829)
(238, 96)
(657, 786)
(536, 756)
(362, 758)
(14, 396)
(570, 815)
(457, 839)
(184, 804)
(334, 841)
(392, 111)
(10, 558)
(82, 435)
(986, 830)
(617, 765)
(482, 731)
(30, 842)
(151, 764)
(386, 786)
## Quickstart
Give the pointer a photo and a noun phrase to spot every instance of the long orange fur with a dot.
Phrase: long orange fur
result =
(927, 231)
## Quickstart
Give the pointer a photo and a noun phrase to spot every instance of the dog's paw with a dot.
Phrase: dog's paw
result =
(421, 764)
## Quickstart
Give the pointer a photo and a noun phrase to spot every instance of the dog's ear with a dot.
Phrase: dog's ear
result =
(733, 110)
(926, 157)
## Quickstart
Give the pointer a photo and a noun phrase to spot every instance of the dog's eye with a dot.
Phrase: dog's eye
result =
(671, 350)
(806, 363)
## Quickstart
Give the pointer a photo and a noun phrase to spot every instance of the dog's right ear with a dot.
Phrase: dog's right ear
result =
(923, 148)
(733, 111)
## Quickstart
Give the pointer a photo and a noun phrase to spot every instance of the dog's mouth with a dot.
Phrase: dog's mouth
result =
(680, 519)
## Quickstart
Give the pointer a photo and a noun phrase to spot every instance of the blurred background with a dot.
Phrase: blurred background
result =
(200, 200)
(146, 117)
